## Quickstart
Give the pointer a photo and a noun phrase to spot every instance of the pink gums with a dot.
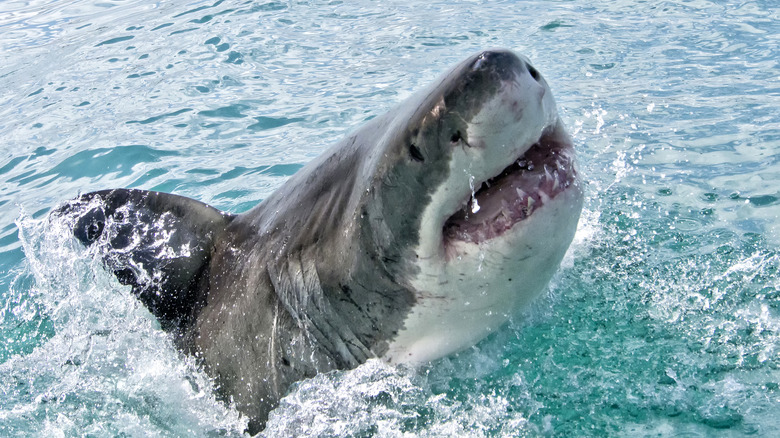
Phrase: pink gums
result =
(543, 172)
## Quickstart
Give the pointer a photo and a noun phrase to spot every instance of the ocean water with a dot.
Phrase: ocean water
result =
(664, 319)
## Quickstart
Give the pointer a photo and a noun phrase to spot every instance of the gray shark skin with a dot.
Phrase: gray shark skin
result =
(412, 238)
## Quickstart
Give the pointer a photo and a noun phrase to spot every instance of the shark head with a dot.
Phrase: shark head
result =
(488, 198)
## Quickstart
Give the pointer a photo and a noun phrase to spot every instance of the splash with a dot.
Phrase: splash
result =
(106, 368)
(379, 400)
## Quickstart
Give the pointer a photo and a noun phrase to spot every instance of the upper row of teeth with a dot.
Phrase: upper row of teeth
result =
(554, 175)
(547, 174)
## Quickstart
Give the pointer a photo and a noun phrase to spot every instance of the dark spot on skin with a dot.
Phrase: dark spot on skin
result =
(285, 362)
(415, 152)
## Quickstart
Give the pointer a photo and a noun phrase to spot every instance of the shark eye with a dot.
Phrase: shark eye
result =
(455, 137)
(415, 152)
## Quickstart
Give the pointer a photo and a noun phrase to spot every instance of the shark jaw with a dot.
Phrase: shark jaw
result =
(543, 172)
(494, 233)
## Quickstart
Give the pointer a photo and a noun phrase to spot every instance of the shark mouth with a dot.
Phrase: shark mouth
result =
(543, 172)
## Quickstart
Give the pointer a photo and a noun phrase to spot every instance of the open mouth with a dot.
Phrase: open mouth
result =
(543, 172)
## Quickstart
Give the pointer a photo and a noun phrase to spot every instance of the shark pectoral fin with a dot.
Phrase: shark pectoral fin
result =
(158, 243)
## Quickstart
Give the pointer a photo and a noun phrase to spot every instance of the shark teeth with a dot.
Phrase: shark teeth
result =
(509, 198)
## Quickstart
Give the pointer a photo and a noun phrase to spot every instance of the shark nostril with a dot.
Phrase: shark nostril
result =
(534, 73)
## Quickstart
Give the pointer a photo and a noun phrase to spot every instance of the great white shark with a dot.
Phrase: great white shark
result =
(412, 238)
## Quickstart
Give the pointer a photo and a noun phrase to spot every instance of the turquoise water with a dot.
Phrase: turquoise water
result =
(663, 321)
